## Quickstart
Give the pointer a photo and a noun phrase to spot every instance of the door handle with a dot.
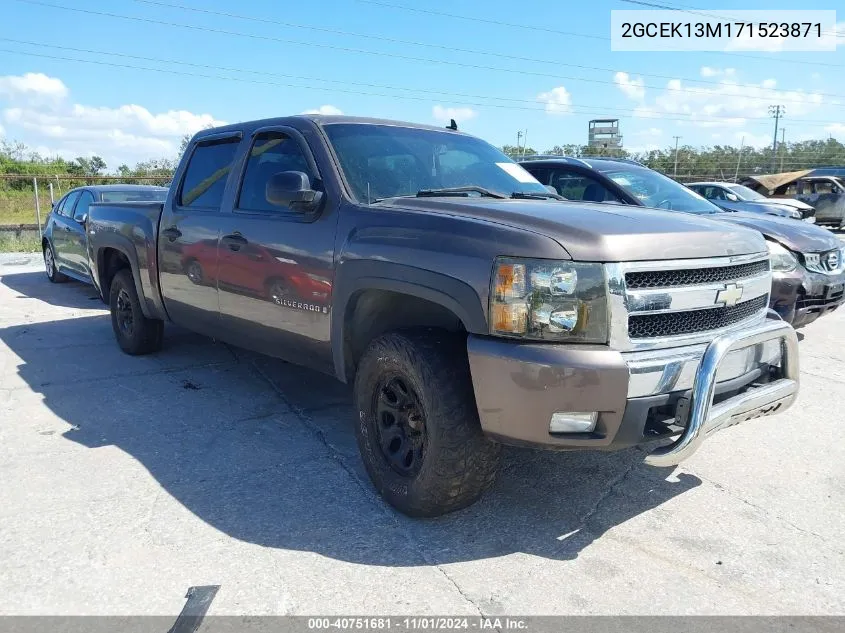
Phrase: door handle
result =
(172, 233)
(234, 241)
(66, 228)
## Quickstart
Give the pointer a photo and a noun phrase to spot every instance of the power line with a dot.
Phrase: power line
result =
(586, 108)
(393, 40)
(382, 54)
(695, 11)
(570, 33)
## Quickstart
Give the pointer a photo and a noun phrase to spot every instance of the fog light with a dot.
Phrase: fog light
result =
(571, 422)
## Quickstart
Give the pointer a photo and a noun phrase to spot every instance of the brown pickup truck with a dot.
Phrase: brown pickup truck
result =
(467, 303)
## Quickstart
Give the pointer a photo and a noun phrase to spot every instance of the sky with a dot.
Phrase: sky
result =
(79, 78)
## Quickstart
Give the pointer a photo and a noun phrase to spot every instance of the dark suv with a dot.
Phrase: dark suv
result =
(808, 262)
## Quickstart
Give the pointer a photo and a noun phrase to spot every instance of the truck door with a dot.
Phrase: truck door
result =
(278, 263)
(76, 250)
(188, 233)
(62, 229)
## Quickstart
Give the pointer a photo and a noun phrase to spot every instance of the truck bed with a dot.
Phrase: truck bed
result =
(131, 228)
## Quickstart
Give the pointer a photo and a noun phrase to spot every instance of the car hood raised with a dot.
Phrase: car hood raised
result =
(603, 232)
(794, 234)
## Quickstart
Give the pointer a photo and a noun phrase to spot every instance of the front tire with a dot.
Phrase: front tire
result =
(418, 430)
(135, 333)
(50, 265)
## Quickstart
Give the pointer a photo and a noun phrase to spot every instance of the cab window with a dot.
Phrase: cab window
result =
(81, 210)
(271, 153)
(574, 186)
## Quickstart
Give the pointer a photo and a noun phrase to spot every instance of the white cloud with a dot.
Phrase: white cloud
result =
(631, 87)
(750, 139)
(725, 104)
(557, 100)
(837, 35)
(39, 113)
(31, 86)
(709, 71)
(325, 109)
(652, 132)
(836, 129)
(446, 114)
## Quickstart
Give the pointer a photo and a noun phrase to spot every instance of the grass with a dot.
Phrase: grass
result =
(9, 243)
(18, 207)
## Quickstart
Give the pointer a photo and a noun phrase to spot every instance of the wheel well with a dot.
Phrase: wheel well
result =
(371, 313)
(44, 243)
(111, 261)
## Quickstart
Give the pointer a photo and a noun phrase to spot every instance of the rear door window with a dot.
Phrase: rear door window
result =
(66, 207)
(205, 177)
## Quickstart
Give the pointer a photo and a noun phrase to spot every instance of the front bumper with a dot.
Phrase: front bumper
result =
(684, 392)
(801, 296)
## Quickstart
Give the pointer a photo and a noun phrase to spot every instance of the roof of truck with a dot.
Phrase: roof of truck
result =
(318, 119)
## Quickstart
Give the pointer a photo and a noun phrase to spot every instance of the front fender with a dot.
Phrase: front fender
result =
(356, 275)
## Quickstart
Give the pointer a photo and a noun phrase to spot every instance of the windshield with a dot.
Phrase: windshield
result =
(153, 195)
(745, 193)
(656, 190)
(384, 161)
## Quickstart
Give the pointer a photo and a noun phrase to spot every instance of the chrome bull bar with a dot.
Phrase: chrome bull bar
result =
(705, 418)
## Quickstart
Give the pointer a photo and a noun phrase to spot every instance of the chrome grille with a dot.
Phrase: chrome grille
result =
(672, 303)
(678, 323)
(674, 278)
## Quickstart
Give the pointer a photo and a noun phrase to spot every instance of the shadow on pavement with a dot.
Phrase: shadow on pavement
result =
(265, 452)
(70, 294)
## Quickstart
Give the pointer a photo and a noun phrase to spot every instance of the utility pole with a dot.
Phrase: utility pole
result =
(777, 111)
(524, 142)
(782, 145)
(739, 158)
(518, 136)
(677, 138)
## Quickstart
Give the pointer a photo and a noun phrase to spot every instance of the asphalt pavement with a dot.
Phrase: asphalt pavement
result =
(124, 481)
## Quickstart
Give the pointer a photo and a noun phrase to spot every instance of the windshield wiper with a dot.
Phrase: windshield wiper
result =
(535, 195)
(458, 191)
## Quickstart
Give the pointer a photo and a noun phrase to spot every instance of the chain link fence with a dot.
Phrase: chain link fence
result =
(23, 198)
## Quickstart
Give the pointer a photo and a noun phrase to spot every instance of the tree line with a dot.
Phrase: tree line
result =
(718, 162)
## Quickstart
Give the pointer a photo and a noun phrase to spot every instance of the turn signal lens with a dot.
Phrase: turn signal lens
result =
(510, 318)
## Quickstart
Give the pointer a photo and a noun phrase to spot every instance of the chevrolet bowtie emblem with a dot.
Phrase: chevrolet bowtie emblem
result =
(729, 295)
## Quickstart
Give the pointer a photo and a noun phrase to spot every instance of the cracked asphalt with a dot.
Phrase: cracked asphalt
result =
(125, 481)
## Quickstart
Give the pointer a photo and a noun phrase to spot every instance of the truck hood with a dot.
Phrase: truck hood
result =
(794, 234)
(602, 232)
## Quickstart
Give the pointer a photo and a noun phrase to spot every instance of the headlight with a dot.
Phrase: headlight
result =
(782, 260)
(795, 215)
(548, 300)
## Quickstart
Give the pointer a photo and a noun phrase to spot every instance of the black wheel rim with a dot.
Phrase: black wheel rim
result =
(278, 292)
(48, 261)
(401, 428)
(125, 316)
(195, 272)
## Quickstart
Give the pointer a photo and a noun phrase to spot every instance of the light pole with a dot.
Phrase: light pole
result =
(677, 138)
(777, 111)
(518, 136)
(782, 145)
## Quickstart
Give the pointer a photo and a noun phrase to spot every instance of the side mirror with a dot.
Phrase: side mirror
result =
(82, 219)
(551, 189)
(732, 197)
(292, 189)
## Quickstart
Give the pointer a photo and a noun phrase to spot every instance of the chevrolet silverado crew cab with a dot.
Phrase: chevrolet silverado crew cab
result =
(468, 305)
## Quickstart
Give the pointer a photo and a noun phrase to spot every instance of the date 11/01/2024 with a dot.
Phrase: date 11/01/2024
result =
(668, 30)
(419, 623)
